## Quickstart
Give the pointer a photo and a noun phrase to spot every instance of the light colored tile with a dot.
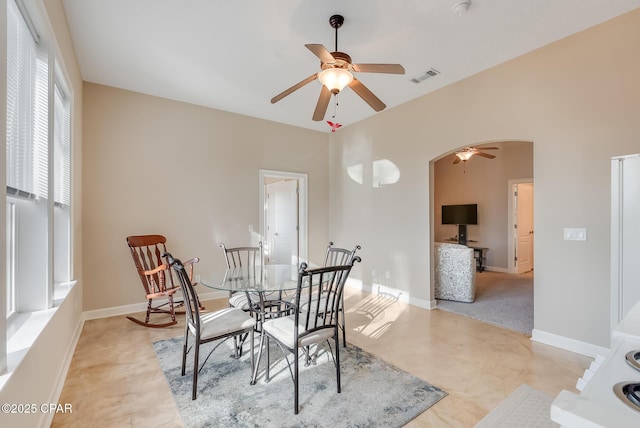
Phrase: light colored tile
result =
(115, 379)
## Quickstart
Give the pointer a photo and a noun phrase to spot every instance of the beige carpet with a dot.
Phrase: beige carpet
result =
(502, 299)
(525, 407)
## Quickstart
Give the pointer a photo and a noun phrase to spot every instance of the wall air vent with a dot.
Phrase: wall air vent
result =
(432, 72)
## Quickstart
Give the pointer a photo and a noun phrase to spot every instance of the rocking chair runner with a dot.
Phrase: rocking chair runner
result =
(158, 282)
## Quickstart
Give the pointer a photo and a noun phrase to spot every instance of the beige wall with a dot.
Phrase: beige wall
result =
(576, 100)
(484, 182)
(191, 173)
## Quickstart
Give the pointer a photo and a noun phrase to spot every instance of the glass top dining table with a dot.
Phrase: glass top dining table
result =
(265, 287)
(260, 279)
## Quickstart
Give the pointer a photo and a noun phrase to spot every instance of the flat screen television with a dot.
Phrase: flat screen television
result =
(460, 214)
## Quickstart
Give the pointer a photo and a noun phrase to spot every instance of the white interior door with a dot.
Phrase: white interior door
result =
(524, 227)
(282, 221)
(278, 210)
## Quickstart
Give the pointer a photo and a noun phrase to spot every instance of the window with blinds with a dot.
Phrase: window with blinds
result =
(38, 168)
(27, 109)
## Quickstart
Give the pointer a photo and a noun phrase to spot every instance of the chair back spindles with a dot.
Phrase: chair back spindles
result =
(246, 261)
(336, 257)
(339, 256)
(147, 251)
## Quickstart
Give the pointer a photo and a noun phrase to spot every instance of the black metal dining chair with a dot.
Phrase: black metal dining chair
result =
(336, 256)
(314, 321)
(208, 327)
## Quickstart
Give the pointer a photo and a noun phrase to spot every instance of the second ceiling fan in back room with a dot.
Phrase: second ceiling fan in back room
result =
(466, 153)
(336, 73)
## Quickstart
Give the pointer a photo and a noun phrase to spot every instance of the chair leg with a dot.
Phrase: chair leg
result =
(172, 309)
(337, 342)
(148, 317)
(253, 357)
(195, 367)
(295, 381)
(344, 324)
(257, 363)
(266, 370)
(185, 346)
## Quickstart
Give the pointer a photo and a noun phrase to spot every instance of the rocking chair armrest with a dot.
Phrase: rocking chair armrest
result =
(191, 261)
(156, 270)
(189, 264)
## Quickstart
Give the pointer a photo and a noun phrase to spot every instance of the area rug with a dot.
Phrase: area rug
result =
(525, 407)
(502, 299)
(374, 393)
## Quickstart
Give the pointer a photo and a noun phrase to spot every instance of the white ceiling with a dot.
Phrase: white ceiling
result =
(237, 55)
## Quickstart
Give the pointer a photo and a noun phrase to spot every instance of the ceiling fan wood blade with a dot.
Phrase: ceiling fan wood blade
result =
(295, 87)
(379, 68)
(321, 52)
(484, 155)
(323, 103)
(456, 160)
(367, 95)
(487, 148)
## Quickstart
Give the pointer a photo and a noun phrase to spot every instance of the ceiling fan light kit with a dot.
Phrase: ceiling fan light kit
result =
(335, 79)
(337, 73)
(464, 155)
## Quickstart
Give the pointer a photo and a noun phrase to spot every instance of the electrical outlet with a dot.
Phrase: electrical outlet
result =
(387, 275)
(197, 278)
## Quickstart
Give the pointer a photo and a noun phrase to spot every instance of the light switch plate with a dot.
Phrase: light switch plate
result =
(575, 234)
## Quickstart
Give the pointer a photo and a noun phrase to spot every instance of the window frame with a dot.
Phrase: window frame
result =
(42, 226)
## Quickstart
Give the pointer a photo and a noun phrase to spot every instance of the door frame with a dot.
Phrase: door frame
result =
(511, 247)
(303, 234)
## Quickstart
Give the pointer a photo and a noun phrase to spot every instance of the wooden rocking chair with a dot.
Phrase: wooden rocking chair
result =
(158, 282)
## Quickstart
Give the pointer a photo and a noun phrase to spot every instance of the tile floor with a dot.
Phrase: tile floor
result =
(115, 381)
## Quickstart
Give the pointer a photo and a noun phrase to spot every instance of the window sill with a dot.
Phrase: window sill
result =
(24, 328)
(60, 291)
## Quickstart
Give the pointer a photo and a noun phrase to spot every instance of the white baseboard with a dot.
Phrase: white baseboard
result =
(496, 269)
(141, 307)
(399, 295)
(569, 344)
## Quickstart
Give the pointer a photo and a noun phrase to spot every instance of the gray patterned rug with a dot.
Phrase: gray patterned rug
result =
(374, 394)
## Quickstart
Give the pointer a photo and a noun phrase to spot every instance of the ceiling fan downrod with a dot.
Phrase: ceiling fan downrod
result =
(336, 22)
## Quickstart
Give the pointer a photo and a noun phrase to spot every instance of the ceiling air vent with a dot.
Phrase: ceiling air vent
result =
(432, 72)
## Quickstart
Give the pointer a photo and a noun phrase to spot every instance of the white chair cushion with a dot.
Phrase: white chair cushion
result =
(222, 322)
(282, 330)
(239, 300)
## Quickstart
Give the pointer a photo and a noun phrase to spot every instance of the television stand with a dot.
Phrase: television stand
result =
(462, 234)
(480, 254)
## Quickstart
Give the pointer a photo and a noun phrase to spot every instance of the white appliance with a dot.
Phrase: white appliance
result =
(610, 387)
(625, 236)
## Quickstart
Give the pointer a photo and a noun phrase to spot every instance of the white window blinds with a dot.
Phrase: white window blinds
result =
(62, 148)
(27, 109)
